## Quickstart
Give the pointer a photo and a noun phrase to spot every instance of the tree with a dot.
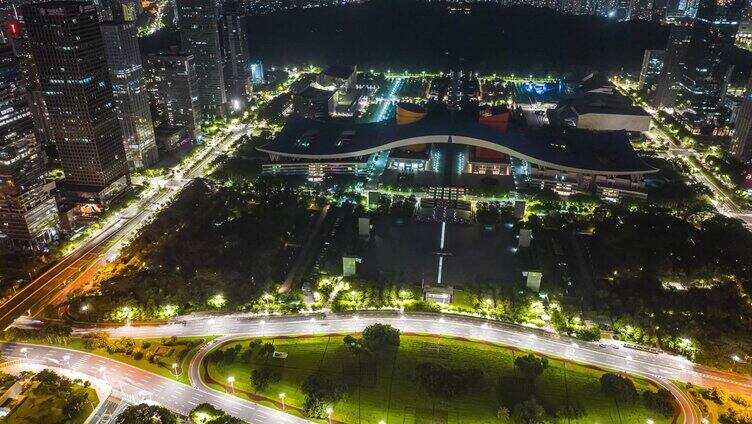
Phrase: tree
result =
(503, 414)
(529, 412)
(74, 405)
(618, 386)
(206, 413)
(320, 391)
(378, 337)
(261, 378)
(146, 414)
(353, 344)
(531, 366)
(266, 350)
(661, 401)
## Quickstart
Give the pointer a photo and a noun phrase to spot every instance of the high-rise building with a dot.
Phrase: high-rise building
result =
(199, 36)
(66, 44)
(174, 87)
(257, 72)
(673, 64)
(129, 90)
(652, 65)
(235, 52)
(706, 71)
(15, 29)
(641, 9)
(28, 214)
(741, 140)
(744, 33)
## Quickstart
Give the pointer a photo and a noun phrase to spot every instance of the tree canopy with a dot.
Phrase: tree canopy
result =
(146, 414)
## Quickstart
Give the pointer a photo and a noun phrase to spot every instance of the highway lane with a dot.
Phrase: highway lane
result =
(68, 274)
(613, 355)
(135, 385)
(662, 368)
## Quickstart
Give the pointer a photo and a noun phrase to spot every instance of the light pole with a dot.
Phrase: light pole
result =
(329, 411)
(25, 351)
(283, 396)
(231, 380)
(175, 369)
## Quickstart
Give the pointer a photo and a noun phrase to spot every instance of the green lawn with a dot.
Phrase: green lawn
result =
(386, 388)
(43, 408)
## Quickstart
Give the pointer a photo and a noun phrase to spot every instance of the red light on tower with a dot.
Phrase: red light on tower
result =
(13, 29)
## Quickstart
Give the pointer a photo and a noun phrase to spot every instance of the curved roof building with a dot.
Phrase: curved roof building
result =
(572, 150)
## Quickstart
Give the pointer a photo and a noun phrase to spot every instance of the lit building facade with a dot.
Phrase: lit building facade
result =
(652, 66)
(129, 89)
(28, 214)
(235, 53)
(741, 140)
(199, 36)
(66, 44)
(174, 86)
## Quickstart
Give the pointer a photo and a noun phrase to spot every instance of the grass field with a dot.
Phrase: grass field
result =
(43, 408)
(385, 388)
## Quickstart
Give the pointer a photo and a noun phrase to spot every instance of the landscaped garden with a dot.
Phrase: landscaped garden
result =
(52, 399)
(426, 379)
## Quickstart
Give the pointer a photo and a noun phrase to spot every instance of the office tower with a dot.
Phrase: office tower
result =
(652, 65)
(129, 90)
(15, 29)
(174, 87)
(673, 64)
(641, 9)
(622, 10)
(66, 44)
(235, 52)
(28, 214)
(257, 73)
(744, 33)
(706, 71)
(741, 140)
(197, 22)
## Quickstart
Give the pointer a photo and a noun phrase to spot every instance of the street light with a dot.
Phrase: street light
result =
(283, 396)
(175, 369)
(25, 351)
(329, 411)
(231, 380)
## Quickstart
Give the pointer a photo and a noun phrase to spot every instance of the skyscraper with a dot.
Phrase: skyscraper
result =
(652, 65)
(129, 89)
(174, 87)
(673, 64)
(66, 44)
(235, 52)
(199, 36)
(706, 70)
(741, 140)
(28, 214)
(257, 72)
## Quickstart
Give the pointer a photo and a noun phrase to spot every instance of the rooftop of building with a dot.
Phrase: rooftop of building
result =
(601, 102)
(571, 149)
(339, 71)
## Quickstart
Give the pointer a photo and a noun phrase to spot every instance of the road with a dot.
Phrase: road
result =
(135, 385)
(77, 268)
(725, 204)
(662, 368)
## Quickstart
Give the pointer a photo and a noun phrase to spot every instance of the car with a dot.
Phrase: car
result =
(602, 345)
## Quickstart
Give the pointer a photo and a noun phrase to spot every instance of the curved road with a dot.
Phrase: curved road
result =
(661, 368)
